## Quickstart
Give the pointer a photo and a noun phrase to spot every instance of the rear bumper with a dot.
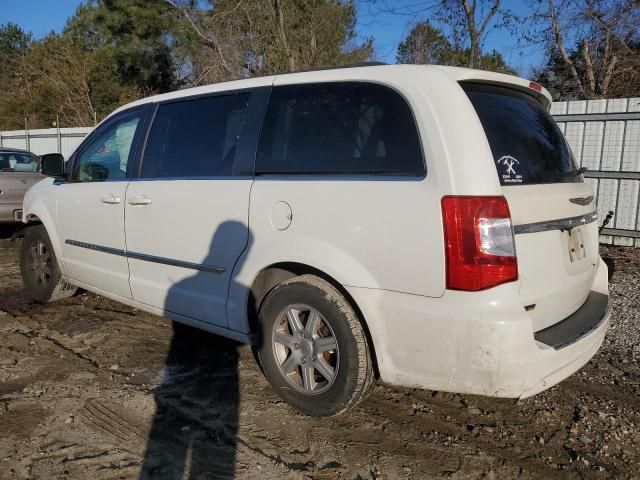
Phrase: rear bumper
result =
(10, 213)
(592, 313)
(565, 362)
(478, 343)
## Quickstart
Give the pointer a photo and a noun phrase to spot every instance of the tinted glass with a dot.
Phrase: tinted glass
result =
(108, 154)
(347, 128)
(527, 145)
(195, 138)
(18, 162)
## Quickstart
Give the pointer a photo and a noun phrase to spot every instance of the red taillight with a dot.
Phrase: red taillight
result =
(536, 86)
(480, 251)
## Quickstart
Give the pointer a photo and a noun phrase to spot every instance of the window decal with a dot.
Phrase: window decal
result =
(509, 175)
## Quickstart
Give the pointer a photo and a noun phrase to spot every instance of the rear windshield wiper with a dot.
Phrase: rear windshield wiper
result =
(575, 173)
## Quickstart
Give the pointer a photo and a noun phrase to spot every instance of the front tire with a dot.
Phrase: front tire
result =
(41, 275)
(313, 349)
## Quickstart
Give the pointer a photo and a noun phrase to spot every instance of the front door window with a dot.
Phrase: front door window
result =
(107, 156)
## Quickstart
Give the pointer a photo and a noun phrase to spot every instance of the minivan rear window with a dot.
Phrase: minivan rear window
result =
(527, 146)
(339, 128)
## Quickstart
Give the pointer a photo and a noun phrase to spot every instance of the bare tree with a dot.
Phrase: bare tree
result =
(278, 13)
(425, 45)
(473, 17)
(466, 23)
(242, 38)
(594, 45)
(213, 41)
(56, 78)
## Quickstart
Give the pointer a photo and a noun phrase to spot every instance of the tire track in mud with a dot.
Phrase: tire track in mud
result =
(101, 415)
(88, 458)
(453, 422)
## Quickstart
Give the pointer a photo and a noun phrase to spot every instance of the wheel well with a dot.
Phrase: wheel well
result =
(274, 275)
(32, 221)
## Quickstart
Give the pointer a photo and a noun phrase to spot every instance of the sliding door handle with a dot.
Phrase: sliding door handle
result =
(110, 199)
(139, 200)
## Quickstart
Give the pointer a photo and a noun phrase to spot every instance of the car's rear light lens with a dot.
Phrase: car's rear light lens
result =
(480, 249)
(496, 237)
(536, 86)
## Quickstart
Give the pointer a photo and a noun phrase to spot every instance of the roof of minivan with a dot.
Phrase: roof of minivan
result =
(377, 71)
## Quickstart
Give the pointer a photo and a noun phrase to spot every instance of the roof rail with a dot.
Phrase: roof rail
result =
(337, 67)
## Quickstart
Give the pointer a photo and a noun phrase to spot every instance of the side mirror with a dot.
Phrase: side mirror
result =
(53, 165)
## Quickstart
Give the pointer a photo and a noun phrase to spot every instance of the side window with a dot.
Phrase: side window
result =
(108, 154)
(19, 162)
(195, 138)
(25, 163)
(339, 128)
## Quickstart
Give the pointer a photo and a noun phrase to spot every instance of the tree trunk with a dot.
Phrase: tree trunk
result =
(283, 36)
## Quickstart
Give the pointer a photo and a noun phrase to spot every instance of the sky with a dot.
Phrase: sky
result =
(387, 21)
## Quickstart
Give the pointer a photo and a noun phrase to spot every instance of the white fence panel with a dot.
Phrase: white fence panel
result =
(45, 140)
(605, 137)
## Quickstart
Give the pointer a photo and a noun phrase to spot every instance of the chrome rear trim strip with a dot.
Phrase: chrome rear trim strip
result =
(147, 258)
(560, 224)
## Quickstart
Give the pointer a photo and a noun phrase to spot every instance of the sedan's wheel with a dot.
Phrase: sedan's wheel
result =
(41, 274)
(313, 348)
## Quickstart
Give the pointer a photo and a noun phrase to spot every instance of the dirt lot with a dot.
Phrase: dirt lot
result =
(92, 389)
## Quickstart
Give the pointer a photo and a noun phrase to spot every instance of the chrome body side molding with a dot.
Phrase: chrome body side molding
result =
(145, 257)
(175, 263)
(99, 248)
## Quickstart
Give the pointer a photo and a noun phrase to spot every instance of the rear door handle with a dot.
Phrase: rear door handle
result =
(140, 200)
(110, 199)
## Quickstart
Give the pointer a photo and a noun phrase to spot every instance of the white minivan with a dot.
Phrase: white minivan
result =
(421, 225)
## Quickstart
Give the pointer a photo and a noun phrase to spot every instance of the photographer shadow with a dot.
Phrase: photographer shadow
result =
(194, 430)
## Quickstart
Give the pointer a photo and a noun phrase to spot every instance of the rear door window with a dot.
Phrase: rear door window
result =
(196, 137)
(528, 147)
(339, 128)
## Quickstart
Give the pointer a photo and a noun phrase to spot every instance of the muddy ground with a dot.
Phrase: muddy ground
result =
(90, 389)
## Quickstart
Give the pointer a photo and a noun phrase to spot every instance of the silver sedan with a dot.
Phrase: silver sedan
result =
(19, 169)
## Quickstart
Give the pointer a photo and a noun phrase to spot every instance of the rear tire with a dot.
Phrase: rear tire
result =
(41, 275)
(312, 347)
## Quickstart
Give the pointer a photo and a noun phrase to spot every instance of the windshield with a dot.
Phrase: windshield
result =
(528, 147)
(18, 162)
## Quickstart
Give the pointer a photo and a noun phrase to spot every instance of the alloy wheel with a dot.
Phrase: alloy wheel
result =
(305, 349)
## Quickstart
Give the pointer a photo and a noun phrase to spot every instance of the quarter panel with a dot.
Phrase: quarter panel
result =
(364, 232)
(390, 228)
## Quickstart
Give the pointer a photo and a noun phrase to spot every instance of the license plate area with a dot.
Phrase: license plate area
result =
(575, 244)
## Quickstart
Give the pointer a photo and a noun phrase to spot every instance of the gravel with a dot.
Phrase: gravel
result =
(624, 333)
